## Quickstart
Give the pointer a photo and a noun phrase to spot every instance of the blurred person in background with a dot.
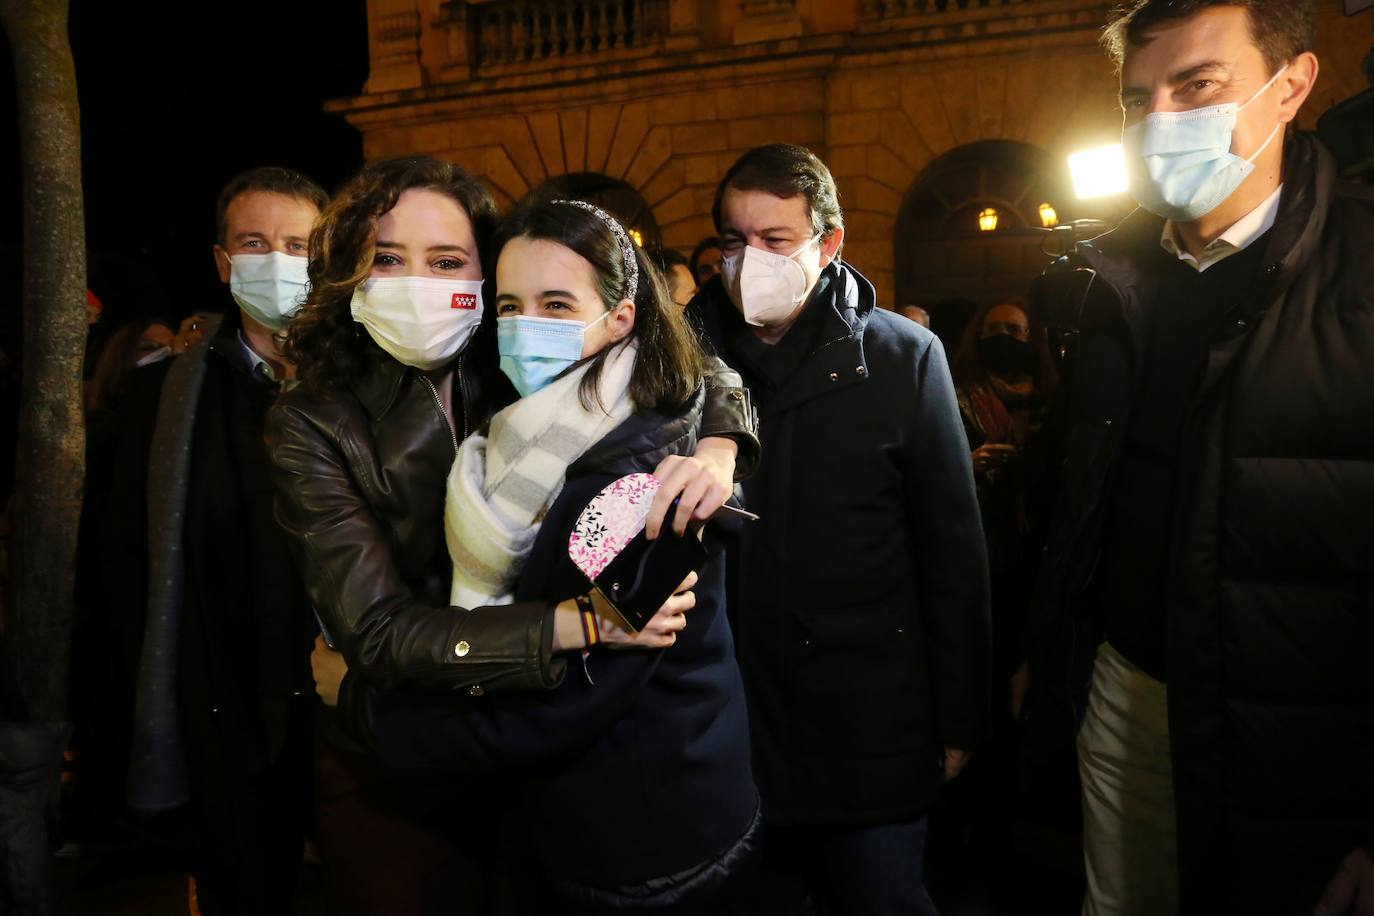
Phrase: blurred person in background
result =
(682, 286)
(916, 314)
(705, 260)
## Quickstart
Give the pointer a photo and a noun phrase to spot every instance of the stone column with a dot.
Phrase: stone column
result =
(458, 52)
(395, 26)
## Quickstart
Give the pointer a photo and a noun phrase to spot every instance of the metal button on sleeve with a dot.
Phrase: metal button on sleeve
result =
(462, 648)
(475, 690)
(860, 370)
(834, 376)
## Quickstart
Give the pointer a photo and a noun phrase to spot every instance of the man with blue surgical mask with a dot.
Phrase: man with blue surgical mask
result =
(199, 565)
(860, 605)
(262, 255)
(1208, 569)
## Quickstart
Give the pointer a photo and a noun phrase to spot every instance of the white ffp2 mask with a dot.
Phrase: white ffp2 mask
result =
(768, 287)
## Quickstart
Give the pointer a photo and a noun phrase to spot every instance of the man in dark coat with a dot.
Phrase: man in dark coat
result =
(1213, 542)
(861, 602)
(223, 684)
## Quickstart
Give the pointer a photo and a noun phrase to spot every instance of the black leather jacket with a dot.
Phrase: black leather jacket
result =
(360, 476)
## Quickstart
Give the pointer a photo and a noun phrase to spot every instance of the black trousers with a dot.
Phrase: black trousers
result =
(248, 830)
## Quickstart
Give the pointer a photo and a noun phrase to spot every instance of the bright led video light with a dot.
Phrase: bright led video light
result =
(1098, 172)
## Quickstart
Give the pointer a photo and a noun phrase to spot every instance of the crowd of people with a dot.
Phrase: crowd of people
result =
(334, 589)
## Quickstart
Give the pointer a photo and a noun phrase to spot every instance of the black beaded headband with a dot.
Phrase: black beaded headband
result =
(627, 247)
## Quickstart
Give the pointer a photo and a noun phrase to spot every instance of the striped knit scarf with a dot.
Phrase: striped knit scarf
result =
(502, 483)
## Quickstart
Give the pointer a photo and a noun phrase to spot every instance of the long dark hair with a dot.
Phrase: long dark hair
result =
(321, 339)
(968, 369)
(670, 365)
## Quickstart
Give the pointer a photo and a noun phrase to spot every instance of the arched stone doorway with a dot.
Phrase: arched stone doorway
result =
(940, 253)
(615, 197)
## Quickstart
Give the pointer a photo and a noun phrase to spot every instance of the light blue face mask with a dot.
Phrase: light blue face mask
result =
(270, 287)
(535, 351)
(1180, 162)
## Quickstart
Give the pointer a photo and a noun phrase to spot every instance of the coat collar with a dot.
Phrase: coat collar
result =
(839, 361)
(848, 299)
(1122, 256)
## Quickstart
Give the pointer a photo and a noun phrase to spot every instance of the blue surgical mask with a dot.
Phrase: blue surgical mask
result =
(1180, 162)
(535, 351)
(269, 287)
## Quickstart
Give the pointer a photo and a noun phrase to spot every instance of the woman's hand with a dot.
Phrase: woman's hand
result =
(188, 335)
(659, 633)
(329, 668)
(992, 455)
(705, 480)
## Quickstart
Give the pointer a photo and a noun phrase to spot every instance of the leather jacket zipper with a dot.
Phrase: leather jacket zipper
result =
(443, 413)
(462, 396)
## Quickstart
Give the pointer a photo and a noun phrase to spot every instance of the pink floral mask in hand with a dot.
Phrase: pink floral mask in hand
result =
(613, 518)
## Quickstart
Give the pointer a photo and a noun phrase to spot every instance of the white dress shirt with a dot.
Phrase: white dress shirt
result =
(1237, 238)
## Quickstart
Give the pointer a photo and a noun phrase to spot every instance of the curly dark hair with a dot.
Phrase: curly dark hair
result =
(322, 339)
(670, 365)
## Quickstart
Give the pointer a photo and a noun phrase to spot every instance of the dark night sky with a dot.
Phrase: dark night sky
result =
(176, 98)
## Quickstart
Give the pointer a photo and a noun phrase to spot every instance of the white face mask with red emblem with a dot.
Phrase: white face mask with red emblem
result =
(421, 321)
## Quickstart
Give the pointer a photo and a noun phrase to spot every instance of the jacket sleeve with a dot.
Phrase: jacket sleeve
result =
(412, 731)
(364, 605)
(729, 412)
(951, 555)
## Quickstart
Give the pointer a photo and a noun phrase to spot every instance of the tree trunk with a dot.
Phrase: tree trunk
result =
(51, 448)
(35, 634)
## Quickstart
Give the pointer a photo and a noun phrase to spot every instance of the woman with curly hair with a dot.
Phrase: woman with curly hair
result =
(398, 364)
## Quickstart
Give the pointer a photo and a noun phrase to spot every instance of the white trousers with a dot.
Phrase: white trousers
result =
(1129, 844)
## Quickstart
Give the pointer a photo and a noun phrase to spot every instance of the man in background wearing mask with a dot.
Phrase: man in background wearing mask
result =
(1212, 543)
(223, 676)
(861, 603)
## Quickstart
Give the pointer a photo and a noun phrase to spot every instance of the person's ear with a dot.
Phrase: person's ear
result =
(830, 245)
(1296, 85)
(222, 263)
(622, 321)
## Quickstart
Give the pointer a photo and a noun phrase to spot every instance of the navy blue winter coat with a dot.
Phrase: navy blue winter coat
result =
(862, 606)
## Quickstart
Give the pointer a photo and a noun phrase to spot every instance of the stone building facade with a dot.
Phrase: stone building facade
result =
(927, 111)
